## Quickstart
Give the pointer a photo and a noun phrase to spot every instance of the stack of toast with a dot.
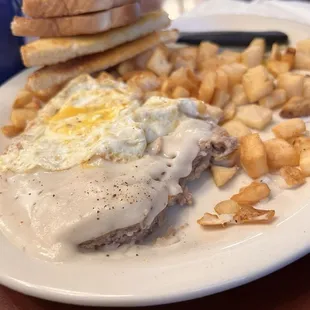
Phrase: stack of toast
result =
(77, 36)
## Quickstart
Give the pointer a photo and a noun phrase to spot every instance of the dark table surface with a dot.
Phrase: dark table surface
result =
(286, 289)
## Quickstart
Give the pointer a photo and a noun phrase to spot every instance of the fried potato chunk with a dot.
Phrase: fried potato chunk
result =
(236, 128)
(292, 83)
(280, 153)
(221, 175)
(209, 219)
(300, 143)
(228, 161)
(11, 131)
(248, 214)
(20, 117)
(274, 100)
(305, 162)
(252, 194)
(254, 116)
(227, 207)
(253, 156)
(296, 107)
(238, 95)
(158, 62)
(23, 98)
(289, 129)
(292, 176)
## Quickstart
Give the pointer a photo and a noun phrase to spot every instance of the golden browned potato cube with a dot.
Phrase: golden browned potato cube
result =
(296, 107)
(20, 117)
(254, 116)
(248, 214)
(305, 162)
(275, 53)
(252, 56)
(277, 67)
(234, 73)
(209, 219)
(11, 131)
(236, 128)
(207, 87)
(180, 62)
(274, 100)
(300, 143)
(180, 92)
(124, 67)
(206, 50)
(292, 176)
(253, 156)
(221, 175)
(280, 154)
(292, 83)
(228, 57)
(158, 62)
(229, 112)
(215, 112)
(227, 207)
(252, 194)
(257, 83)
(306, 91)
(23, 97)
(144, 80)
(220, 98)
(239, 96)
(302, 57)
(289, 56)
(221, 81)
(289, 129)
(228, 161)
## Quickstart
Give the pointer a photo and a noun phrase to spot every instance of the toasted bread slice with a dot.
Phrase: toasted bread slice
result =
(51, 51)
(77, 25)
(52, 76)
(57, 8)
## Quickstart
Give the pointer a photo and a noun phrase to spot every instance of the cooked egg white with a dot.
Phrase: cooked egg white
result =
(88, 119)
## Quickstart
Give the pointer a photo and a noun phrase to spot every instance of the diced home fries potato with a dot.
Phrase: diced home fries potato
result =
(221, 175)
(33, 105)
(227, 207)
(252, 194)
(158, 62)
(180, 92)
(209, 64)
(229, 57)
(292, 83)
(277, 67)
(11, 131)
(207, 87)
(20, 117)
(23, 97)
(220, 98)
(248, 214)
(104, 76)
(236, 128)
(188, 52)
(289, 129)
(123, 68)
(300, 143)
(167, 87)
(221, 81)
(234, 73)
(292, 176)
(254, 116)
(275, 53)
(209, 219)
(206, 50)
(215, 112)
(252, 56)
(257, 83)
(229, 112)
(274, 100)
(280, 154)
(180, 62)
(302, 57)
(305, 162)
(144, 80)
(142, 59)
(239, 96)
(228, 161)
(306, 91)
(253, 156)
(296, 107)
(289, 57)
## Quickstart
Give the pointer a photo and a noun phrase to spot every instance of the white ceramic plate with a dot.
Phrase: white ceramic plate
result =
(202, 262)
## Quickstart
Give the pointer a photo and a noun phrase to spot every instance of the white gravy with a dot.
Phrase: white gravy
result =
(49, 213)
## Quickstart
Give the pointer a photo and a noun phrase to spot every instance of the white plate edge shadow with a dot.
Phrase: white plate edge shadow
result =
(285, 258)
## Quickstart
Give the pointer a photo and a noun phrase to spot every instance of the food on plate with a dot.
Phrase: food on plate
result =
(88, 23)
(305, 162)
(296, 107)
(301, 143)
(254, 54)
(254, 116)
(276, 99)
(227, 207)
(302, 60)
(292, 176)
(51, 51)
(20, 117)
(289, 129)
(292, 83)
(11, 131)
(221, 175)
(158, 62)
(257, 83)
(280, 154)
(236, 128)
(252, 194)
(239, 96)
(253, 156)
(108, 162)
(228, 161)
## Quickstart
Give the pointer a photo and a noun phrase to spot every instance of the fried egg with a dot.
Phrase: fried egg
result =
(90, 118)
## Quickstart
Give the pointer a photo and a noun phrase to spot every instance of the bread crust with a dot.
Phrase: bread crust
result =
(49, 51)
(76, 25)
